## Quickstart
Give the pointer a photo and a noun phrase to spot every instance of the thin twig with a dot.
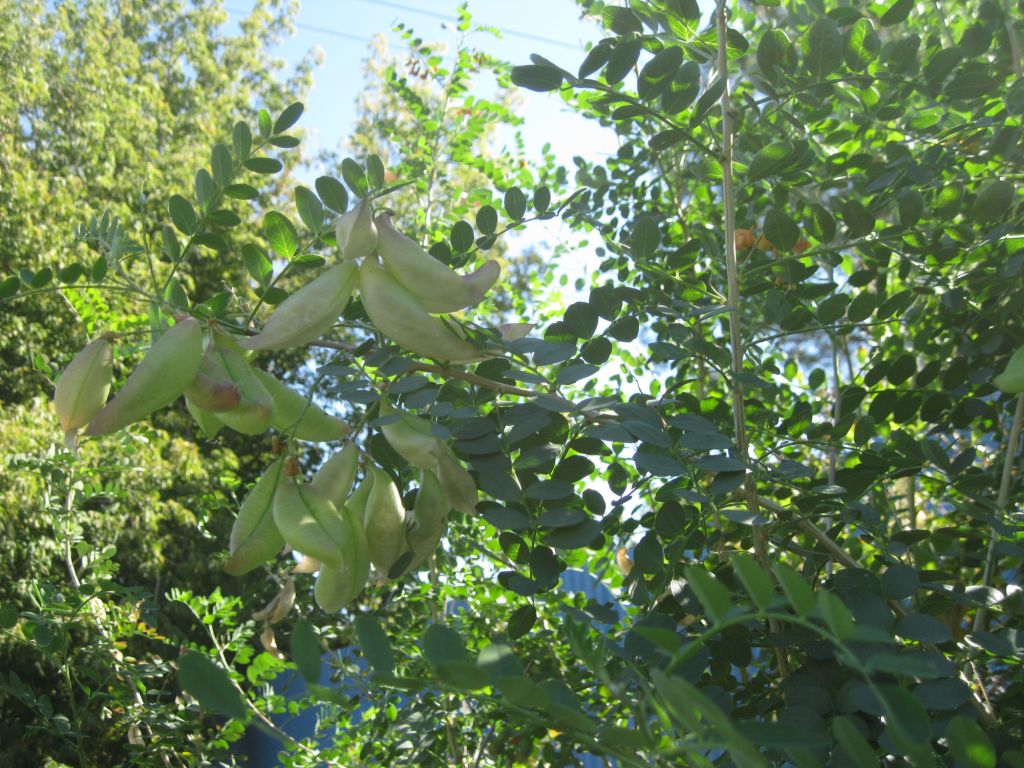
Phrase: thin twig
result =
(1001, 501)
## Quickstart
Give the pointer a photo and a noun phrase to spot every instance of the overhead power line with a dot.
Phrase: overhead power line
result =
(444, 17)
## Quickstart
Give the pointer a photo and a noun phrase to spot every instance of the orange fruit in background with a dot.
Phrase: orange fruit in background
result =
(744, 239)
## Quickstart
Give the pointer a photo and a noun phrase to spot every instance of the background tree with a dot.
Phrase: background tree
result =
(106, 110)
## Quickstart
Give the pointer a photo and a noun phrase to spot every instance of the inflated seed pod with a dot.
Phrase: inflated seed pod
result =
(457, 483)
(254, 536)
(435, 286)
(337, 587)
(356, 232)
(163, 375)
(338, 474)
(208, 422)
(298, 416)
(429, 519)
(1011, 380)
(309, 522)
(410, 436)
(384, 521)
(83, 388)
(213, 389)
(308, 313)
(396, 314)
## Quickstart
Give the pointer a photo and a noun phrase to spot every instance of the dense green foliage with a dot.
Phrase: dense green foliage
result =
(767, 424)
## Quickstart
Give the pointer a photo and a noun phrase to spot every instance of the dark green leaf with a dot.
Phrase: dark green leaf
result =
(645, 237)
(797, 591)
(515, 203)
(355, 177)
(780, 230)
(263, 123)
(853, 743)
(310, 209)
(222, 164)
(775, 51)
(306, 650)
(823, 48)
(487, 220)
(374, 644)
(288, 117)
(541, 199)
(333, 193)
(210, 684)
(9, 287)
(622, 60)
(755, 579)
(897, 12)
(715, 598)
(521, 621)
(241, 140)
(707, 101)
(442, 645)
(862, 45)
(183, 215)
(969, 744)
(537, 77)
(264, 165)
(375, 170)
(241, 192)
(462, 237)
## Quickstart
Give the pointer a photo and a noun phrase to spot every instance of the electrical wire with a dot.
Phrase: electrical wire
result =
(443, 17)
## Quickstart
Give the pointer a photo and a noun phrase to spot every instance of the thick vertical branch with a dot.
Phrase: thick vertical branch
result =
(1001, 501)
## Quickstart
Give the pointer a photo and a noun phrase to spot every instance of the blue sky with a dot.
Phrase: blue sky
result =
(342, 29)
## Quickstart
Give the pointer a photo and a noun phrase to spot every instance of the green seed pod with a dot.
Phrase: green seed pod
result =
(356, 232)
(309, 522)
(1011, 380)
(457, 483)
(254, 536)
(429, 519)
(337, 475)
(337, 587)
(384, 521)
(163, 375)
(308, 313)
(398, 315)
(410, 436)
(435, 286)
(83, 388)
(298, 416)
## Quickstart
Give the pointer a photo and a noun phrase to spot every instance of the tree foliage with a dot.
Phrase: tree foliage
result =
(767, 426)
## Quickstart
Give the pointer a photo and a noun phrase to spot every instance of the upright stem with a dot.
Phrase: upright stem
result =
(1001, 501)
(732, 276)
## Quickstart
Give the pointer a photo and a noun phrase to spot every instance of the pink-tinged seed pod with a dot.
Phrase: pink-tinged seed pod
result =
(163, 375)
(83, 388)
(253, 413)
